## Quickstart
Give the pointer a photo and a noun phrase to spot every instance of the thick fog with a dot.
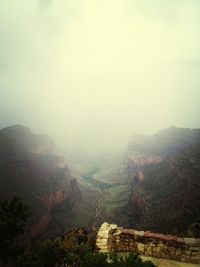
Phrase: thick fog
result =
(91, 73)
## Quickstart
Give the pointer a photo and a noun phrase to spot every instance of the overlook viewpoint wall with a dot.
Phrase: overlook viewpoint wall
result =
(112, 238)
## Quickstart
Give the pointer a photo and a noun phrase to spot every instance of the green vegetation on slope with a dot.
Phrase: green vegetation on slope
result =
(59, 252)
(116, 200)
(76, 248)
(13, 217)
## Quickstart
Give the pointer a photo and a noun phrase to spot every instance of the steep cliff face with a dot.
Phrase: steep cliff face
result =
(163, 173)
(41, 179)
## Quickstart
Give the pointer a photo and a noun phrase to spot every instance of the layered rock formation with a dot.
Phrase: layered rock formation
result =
(30, 170)
(163, 174)
(111, 238)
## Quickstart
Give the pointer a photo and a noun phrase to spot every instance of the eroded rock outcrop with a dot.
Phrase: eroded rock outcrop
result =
(111, 238)
(163, 173)
(29, 170)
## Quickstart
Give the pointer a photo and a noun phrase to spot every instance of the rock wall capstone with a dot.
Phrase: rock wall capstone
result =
(112, 238)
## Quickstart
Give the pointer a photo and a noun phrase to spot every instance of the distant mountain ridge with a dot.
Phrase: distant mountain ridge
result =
(35, 143)
(165, 141)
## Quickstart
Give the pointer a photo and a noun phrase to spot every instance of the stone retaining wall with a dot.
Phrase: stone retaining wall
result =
(111, 238)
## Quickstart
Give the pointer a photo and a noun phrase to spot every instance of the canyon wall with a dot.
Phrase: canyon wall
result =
(162, 172)
(30, 170)
(66, 197)
(111, 238)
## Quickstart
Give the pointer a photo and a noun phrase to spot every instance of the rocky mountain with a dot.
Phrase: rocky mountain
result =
(30, 170)
(163, 174)
(35, 143)
(157, 187)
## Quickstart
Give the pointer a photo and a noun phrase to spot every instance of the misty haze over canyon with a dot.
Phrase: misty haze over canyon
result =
(99, 121)
(91, 74)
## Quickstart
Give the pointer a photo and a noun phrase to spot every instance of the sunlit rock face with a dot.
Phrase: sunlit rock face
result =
(111, 238)
(41, 179)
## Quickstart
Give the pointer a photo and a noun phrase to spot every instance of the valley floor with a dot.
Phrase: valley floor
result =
(106, 196)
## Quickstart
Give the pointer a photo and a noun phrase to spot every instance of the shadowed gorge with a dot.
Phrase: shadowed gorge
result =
(155, 177)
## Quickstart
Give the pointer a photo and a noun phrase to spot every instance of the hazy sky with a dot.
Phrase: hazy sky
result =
(92, 72)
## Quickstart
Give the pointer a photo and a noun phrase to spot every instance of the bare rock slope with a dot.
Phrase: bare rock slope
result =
(30, 170)
(163, 174)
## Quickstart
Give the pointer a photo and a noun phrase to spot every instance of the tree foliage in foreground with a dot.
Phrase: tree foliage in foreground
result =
(76, 249)
(54, 254)
(13, 217)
